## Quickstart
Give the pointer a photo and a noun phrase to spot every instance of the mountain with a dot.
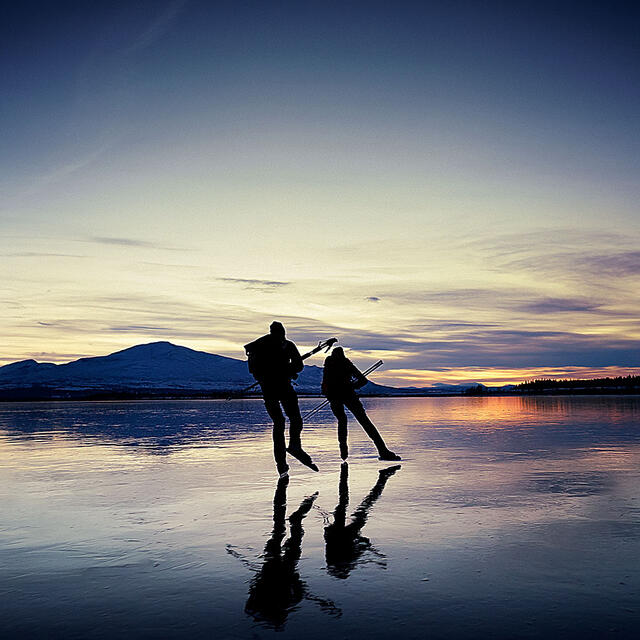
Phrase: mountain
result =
(156, 366)
(156, 369)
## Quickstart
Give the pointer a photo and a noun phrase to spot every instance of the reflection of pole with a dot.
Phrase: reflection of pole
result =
(323, 404)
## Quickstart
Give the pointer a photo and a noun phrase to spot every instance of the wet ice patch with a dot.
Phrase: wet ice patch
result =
(572, 484)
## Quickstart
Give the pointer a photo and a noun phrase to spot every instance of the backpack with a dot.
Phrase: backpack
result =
(258, 353)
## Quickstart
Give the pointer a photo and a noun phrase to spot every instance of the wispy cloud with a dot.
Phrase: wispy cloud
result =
(561, 305)
(113, 68)
(62, 171)
(124, 242)
(251, 283)
(547, 240)
(524, 348)
(564, 253)
(518, 304)
(615, 264)
(131, 242)
(157, 27)
(39, 254)
(139, 328)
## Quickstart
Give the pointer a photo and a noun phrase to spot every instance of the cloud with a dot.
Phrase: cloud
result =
(463, 297)
(564, 252)
(520, 348)
(37, 254)
(139, 328)
(510, 304)
(157, 27)
(251, 283)
(124, 242)
(130, 242)
(64, 170)
(372, 299)
(560, 305)
(588, 267)
(451, 326)
(548, 240)
(618, 264)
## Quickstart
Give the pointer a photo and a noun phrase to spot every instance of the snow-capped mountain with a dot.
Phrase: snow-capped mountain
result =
(158, 365)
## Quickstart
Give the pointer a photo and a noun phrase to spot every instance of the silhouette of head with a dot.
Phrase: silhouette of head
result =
(338, 353)
(276, 329)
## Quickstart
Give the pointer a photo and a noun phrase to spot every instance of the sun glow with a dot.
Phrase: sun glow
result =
(495, 377)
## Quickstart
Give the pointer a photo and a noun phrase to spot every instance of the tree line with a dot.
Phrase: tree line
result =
(624, 383)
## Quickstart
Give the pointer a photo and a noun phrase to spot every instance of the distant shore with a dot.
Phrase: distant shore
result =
(55, 395)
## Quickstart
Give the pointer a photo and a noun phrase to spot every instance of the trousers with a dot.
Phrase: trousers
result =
(277, 398)
(352, 402)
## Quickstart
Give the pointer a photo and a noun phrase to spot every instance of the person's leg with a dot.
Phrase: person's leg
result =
(292, 409)
(355, 406)
(289, 399)
(272, 404)
(337, 407)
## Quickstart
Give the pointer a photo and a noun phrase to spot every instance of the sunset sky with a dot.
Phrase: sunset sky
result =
(450, 186)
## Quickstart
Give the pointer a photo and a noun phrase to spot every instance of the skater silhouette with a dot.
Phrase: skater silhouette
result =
(340, 380)
(277, 588)
(344, 546)
(273, 362)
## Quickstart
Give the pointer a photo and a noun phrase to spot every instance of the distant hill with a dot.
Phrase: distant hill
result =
(158, 368)
(158, 365)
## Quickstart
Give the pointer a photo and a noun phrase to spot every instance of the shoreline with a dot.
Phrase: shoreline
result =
(28, 395)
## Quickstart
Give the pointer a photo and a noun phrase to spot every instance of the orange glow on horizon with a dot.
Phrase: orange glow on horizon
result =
(495, 376)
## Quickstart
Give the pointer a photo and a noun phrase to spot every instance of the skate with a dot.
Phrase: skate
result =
(302, 456)
(388, 455)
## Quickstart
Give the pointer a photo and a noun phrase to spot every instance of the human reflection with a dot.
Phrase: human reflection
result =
(344, 546)
(277, 588)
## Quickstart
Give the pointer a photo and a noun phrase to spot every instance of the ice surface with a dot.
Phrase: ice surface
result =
(509, 517)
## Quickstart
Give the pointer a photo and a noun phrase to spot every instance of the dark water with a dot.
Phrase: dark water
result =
(508, 518)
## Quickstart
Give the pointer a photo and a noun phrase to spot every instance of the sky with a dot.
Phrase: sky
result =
(450, 186)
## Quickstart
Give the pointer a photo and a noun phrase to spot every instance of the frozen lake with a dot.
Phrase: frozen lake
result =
(508, 518)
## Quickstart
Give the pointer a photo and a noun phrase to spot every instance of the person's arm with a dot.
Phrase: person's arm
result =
(295, 360)
(359, 379)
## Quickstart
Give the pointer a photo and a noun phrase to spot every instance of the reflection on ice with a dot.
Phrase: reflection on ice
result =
(277, 588)
(345, 546)
(510, 517)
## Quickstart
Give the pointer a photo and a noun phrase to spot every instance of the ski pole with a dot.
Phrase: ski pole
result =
(323, 404)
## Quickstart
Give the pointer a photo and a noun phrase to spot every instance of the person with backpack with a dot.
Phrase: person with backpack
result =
(340, 380)
(274, 361)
